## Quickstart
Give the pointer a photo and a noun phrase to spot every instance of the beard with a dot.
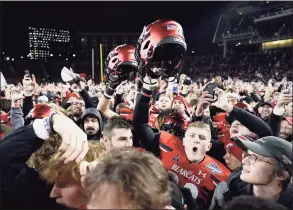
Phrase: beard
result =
(90, 131)
(77, 114)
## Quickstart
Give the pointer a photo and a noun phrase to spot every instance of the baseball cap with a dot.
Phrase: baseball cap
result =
(233, 149)
(289, 120)
(267, 102)
(270, 146)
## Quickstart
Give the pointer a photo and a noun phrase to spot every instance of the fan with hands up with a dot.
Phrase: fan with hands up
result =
(69, 76)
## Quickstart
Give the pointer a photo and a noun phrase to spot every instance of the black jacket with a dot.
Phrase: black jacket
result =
(235, 187)
(275, 124)
(20, 185)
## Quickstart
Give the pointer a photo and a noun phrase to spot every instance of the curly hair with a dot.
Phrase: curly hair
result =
(171, 112)
(45, 152)
(55, 170)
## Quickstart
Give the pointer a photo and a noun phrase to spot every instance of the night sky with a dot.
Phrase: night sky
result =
(198, 19)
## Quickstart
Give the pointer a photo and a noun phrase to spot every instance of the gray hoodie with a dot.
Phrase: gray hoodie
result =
(93, 112)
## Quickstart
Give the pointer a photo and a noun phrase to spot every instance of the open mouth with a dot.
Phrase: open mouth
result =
(194, 149)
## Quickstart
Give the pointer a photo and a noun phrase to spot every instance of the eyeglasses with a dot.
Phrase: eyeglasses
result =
(253, 158)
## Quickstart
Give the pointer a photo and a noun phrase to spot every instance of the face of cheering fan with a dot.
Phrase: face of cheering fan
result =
(231, 161)
(91, 125)
(265, 111)
(68, 194)
(197, 142)
(285, 130)
(179, 105)
(119, 138)
(164, 102)
(237, 129)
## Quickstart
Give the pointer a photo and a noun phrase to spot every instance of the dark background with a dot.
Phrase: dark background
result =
(198, 19)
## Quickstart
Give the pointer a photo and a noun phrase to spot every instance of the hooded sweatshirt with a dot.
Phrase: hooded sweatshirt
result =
(95, 113)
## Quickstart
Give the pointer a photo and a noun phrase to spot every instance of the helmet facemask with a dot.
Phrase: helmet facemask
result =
(120, 64)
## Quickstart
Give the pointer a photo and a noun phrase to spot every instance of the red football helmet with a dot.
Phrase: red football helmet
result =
(120, 63)
(160, 49)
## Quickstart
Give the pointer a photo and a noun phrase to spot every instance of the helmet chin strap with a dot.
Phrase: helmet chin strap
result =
(156, 72)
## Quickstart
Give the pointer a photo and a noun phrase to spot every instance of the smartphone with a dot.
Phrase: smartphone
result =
(27, 73)
(210, 88)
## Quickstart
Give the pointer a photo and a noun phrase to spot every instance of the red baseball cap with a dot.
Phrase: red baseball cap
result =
(232, 148)
(289, 120)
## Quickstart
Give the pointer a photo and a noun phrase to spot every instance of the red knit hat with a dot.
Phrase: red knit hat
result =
(181, 98)
(83, 75)
(41, 111)
(4, 118)
(127, 113)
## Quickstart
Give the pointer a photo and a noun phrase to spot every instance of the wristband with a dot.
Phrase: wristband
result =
(109, 92)
(146, 93)
(50, 122)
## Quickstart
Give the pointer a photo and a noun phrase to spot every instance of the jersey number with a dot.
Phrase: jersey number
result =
(192, 187)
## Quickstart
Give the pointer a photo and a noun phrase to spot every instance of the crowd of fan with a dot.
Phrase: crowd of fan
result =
(152, 143)
(245, 65)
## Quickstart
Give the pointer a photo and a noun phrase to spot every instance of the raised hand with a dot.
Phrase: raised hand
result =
(222, 101)
(204, 102)
(74, 141)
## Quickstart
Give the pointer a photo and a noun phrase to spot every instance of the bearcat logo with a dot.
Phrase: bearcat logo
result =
(176, 158)
(214, 168)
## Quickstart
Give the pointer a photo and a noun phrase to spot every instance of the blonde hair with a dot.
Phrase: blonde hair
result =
(140, 176)
(55, 170)
(201, 125)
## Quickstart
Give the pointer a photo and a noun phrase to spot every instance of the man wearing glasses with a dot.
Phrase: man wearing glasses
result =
(265, 173)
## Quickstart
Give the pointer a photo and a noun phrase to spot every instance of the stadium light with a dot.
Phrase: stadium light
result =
(51, 55)
(60, 55)
(3, 53)
(12, 59)
(66, 59)
(73, 55)
(7, 58)
(239, 43)
(21, 57)
(192, 51)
